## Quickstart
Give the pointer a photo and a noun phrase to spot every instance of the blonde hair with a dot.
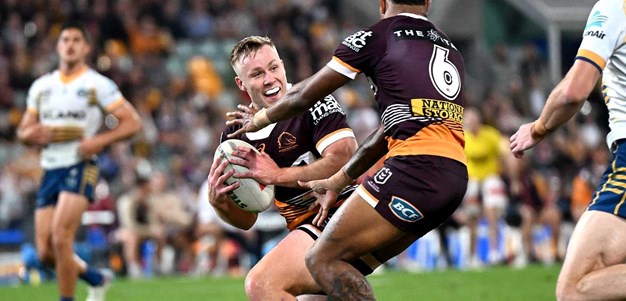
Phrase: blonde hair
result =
(248, 45)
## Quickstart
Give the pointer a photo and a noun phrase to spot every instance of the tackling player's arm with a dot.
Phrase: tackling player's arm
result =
(221, 202)
(372, 149)
(327, 190)
(129, 123)
(333, 158)
(264, 169)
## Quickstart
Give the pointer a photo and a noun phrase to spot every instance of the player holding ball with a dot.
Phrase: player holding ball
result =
(312, 145)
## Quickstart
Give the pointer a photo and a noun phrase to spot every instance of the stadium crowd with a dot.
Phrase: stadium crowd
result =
(171, 60)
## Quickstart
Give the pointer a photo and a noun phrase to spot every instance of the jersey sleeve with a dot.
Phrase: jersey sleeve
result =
(603, 33)
(329, 123)
(358, 53)
(108, 94)
(32, 98)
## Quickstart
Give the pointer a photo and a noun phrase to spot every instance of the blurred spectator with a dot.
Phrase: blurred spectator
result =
(197, 23)
(138, 223)
(147, 37)
(486, 192)
(587, 179)
(175, 218)
(215, 238)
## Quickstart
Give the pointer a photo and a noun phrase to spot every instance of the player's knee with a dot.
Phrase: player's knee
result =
(566, 291)
(256, 285)
(61, 240)
(45, 255)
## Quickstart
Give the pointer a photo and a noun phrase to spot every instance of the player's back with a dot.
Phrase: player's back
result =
(417, 74)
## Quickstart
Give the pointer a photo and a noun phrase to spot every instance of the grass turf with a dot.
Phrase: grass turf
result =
(501, 283)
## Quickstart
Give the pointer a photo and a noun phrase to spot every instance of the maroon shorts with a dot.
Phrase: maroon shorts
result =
(416, 193)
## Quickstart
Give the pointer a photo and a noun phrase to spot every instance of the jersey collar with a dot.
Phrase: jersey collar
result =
(415, 16)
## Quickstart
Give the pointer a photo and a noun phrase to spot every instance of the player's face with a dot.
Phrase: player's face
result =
(262, 75)
(72, 46)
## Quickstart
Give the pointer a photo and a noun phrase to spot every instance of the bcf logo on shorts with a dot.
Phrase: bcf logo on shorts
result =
(404, 210)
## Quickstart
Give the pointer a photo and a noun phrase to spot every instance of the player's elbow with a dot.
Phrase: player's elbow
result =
(21, 135)
(574, 94)
(136, 127)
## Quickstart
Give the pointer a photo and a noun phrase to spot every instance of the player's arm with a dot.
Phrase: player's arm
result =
(368, 153)
(568, 97)
(129, 123)
(221, 202)
(298, 99)
(333, 158)
(564, 101)
(327, 190)
(372, 149)
(31, 132)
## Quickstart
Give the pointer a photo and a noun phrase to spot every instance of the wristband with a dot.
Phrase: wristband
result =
(538, 130)
(260, 119)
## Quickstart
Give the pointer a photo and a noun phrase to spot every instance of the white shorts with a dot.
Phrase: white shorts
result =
(492, 190)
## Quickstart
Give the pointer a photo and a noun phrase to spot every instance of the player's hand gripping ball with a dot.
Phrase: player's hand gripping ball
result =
(250, 195)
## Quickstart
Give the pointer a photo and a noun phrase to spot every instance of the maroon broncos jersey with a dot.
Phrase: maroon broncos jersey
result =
(298, 141)
(416, 74)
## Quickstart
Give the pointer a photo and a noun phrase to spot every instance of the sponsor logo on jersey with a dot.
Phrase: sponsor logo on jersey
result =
(595, 33)
(357, 40)
(408, 33)
(261, 147)
(382, 175)
(324, 108)
(404, 210)
(286, 142)
(82, 92)
(80, 115)
(437, 109)
(597, 19)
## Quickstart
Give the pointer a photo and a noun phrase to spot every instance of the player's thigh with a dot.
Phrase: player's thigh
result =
(69, 211)
(597, 242)
(284, 266)
(356, 229)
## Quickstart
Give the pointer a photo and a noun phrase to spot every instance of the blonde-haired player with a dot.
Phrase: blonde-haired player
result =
(64, 112)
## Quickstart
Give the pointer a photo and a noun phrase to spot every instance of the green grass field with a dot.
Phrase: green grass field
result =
(503, 283)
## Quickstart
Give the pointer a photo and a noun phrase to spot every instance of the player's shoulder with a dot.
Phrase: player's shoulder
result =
(611, 3)
(98, 77)
(604, 9)
(45, 78)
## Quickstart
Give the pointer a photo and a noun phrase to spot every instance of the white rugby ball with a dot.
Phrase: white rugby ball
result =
(250, 195)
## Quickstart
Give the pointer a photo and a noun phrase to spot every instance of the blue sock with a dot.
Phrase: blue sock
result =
(67, 298)
(92, 276)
